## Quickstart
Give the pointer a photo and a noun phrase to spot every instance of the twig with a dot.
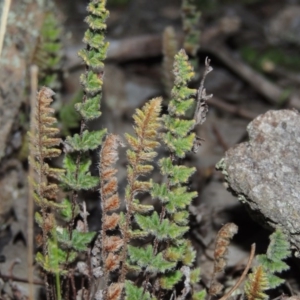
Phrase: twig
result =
(19, 279)
(220, 138)
(201, 109)
(269, 90)
(143, 47)
(252, 253)
(233, 109)
(4, 17)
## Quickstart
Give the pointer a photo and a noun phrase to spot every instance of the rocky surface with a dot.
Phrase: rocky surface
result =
(264, 172)
(24, 21)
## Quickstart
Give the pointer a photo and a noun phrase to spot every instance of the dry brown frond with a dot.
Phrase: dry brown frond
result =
(109, 201)
(221, 247)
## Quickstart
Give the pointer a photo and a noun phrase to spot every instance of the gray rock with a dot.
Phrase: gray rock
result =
(265, 171)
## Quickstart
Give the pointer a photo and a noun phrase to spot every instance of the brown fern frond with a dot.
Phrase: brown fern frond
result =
(256, 285)
(142, 152)
(109, 202)
(42, 146)
(170, 49)
(223, 238)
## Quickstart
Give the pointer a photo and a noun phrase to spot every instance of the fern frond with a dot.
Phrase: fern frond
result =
(257, 284)
(45, 193)
(170, 48)
(48, 53)
(223, 238)
(272, 261)
(147, 123)
(135, 293)
(173, 194)
(190, 19)
(109, 202)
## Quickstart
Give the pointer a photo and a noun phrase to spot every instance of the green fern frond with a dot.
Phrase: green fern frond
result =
(272, 261)
(48, 52)
(279, 247)
(199, 295)
(170, 48)
(135, 293)
(145, 258)
(190, 19)
(168, 282)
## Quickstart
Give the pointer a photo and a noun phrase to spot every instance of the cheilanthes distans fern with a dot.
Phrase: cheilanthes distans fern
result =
(76, 161)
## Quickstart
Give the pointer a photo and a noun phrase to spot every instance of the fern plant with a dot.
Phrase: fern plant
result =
(43, 142)
(263, 277)
(167, 258)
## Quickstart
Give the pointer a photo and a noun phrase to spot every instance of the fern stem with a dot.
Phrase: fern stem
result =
(30, 211)
(125, 233)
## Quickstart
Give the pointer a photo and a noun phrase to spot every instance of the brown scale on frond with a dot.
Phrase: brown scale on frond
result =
(112, 262)
(114, 291)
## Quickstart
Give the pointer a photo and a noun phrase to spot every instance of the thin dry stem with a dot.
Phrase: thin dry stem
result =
(30, 234)
(238, 283)
(201, 109)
